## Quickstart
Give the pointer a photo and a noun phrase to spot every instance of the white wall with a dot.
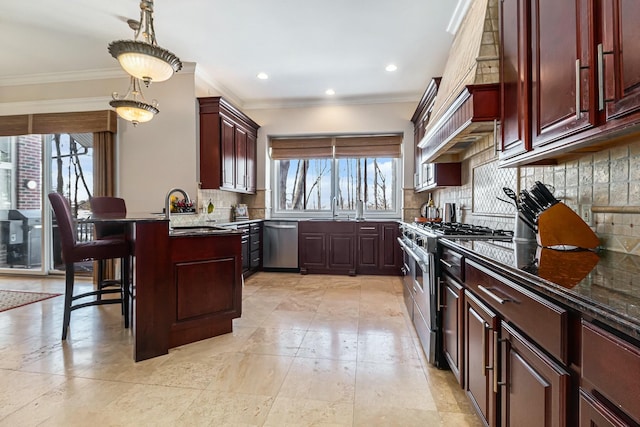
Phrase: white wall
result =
(162, 154)
(152, 157)
(156, 156)
(331, 119)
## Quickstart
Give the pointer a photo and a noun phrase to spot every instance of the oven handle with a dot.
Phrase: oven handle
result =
(410, 251)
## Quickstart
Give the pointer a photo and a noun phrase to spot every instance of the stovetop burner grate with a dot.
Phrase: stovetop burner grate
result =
(459, 229)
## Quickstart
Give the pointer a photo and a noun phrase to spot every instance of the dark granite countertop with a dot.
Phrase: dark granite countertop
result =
(604, 286)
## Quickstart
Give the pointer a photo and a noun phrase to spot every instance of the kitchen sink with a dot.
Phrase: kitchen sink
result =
(198, 229)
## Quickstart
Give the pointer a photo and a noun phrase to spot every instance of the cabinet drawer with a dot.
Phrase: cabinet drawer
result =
(255, 228)
(453, 263)
(368, 228)
(544, 322)
(255, 259)
(255, 244)
(612, 365)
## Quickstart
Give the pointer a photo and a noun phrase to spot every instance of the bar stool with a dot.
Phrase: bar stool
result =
(74, 251)
(109, 207)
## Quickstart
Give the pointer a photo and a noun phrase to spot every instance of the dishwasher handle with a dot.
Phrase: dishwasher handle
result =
(280, 226)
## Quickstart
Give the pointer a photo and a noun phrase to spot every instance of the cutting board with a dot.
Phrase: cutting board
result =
(559, 225)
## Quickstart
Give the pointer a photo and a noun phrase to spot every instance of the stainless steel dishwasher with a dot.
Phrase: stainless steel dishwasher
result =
(280, 247)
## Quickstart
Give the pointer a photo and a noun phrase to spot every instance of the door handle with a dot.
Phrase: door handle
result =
(578, 90)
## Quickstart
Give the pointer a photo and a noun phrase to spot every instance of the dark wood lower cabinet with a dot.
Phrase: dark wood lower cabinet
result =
(480, 328)
(349, 247)
(595, 414)
(533, 388)
(206, 291)
(452, 320)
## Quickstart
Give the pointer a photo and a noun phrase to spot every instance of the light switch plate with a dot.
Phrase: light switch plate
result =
(586, 214)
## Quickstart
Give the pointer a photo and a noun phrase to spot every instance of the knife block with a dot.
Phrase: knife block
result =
(559, 225)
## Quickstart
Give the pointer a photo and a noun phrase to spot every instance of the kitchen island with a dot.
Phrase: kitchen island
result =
(187, 283)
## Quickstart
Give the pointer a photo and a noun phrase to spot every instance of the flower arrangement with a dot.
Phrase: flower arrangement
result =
(181, 205)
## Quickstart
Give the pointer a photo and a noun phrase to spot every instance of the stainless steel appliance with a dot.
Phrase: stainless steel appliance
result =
(449, 212)
(280, 250)
(419, 243)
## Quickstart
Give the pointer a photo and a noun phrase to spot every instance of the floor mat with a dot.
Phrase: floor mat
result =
(13, 299)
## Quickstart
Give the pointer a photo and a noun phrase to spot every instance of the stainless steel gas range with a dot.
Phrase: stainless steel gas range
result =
(421, 290)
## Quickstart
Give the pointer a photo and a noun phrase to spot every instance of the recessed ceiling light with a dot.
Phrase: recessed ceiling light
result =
(330, 92)
(391, 67)
(263, 76)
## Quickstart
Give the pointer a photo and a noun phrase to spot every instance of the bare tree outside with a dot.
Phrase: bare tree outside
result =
(309, 188)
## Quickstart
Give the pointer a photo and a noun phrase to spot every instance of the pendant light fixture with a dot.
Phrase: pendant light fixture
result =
(144, 59)
(133, 107)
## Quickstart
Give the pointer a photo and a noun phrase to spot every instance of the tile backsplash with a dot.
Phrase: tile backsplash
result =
(605, 184)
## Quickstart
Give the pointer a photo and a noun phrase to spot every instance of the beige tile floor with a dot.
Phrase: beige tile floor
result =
(308, 351)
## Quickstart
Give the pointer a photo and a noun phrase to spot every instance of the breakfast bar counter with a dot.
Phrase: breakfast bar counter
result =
(187, 284)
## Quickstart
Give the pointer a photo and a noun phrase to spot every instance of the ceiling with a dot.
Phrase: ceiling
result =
(306, 47)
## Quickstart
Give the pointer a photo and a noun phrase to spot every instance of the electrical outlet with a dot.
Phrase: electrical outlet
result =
(586, 214)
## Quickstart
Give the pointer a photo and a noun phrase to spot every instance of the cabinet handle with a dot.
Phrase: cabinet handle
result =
(600, 77)
(446, 263)
(484, 349)
(367, 228)
(495, 137)
(492, 295)
(496, 351)
(578, 90)
(438, 291)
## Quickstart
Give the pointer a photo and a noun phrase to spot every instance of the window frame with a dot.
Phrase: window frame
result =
(396, 213)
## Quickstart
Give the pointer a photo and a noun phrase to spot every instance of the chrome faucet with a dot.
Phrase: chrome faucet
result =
(167, 201)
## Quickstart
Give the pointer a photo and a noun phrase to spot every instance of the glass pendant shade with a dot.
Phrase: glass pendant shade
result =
(132, 106)
(144, 59)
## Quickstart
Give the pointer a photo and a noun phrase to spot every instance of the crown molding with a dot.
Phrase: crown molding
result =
(75, 76)
(257, 104)
(457, 16)
(55, 106)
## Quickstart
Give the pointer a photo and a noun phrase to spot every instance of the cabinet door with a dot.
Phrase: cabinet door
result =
(480, 326)
(368, 251)
(227, 146)
(313, 251)
(620, 57)
(536, 389)
(390, 255)
(240, 160)
(342, 252)
(452, 330)
(251, 163)
(559, 51)
(514, 77)
(594, 414)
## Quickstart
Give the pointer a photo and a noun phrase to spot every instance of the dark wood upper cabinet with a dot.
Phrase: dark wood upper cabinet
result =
(570, 77)
(227, 147)
(620, 57)
(559, 70)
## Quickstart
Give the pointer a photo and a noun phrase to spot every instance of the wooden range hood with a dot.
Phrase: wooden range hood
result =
(467, 103)
(471, 116)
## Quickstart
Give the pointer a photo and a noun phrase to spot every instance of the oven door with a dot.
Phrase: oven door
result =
(408, 276)
(424, 317)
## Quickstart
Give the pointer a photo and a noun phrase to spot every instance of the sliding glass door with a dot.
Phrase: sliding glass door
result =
(31, 166)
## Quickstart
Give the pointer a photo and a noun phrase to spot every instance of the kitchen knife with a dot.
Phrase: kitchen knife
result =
(528, 209)
(548, 195)
(540, 198)
(533, 204)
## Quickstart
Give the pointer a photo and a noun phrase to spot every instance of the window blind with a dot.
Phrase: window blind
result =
(368, 146)
(345, 147)
(301, 148)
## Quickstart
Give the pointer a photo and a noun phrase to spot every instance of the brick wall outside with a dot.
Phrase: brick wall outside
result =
(29, 160)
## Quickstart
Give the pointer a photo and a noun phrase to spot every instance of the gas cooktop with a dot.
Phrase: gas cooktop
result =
(456, 229)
